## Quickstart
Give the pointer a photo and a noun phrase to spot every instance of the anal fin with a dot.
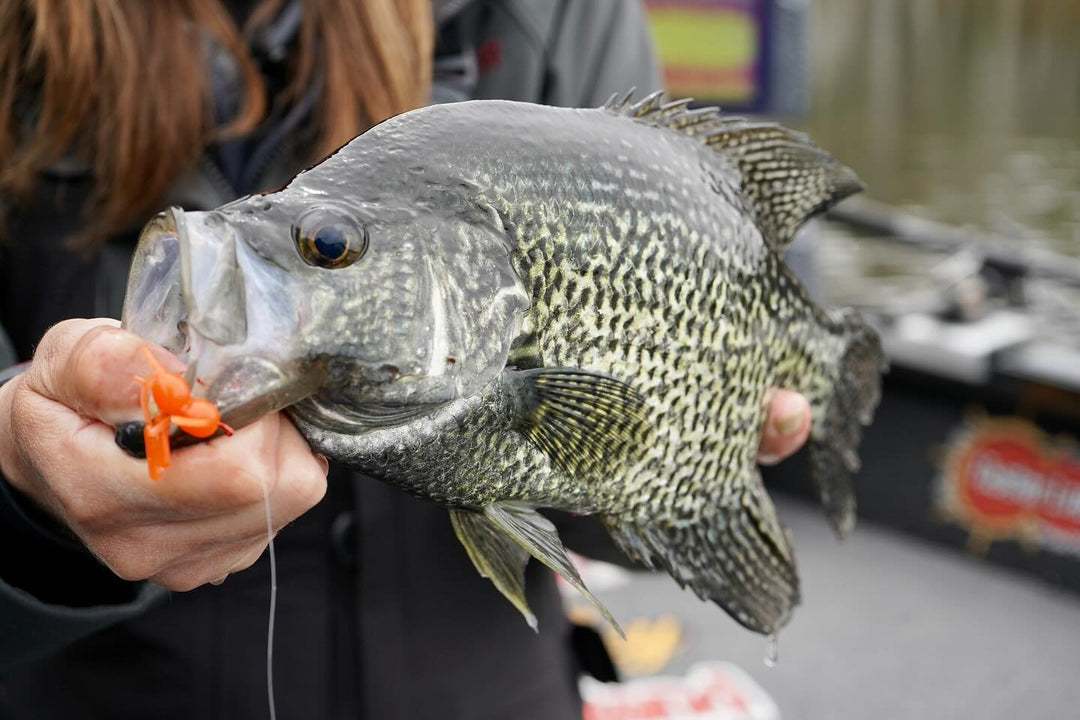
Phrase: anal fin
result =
(500, 540)
(734, 553)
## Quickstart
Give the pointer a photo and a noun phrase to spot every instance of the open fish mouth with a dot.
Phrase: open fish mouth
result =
(186, 282)
(187, 292)
(154, 306)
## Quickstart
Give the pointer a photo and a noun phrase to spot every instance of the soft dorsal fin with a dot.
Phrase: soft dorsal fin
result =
(785, 176)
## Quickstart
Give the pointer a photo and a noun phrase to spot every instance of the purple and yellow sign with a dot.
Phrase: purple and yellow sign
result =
(712, 49)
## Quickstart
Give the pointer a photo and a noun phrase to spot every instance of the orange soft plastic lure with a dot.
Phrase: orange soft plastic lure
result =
(171, 404)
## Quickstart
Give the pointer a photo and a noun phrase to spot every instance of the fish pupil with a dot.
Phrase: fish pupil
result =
(330, 242)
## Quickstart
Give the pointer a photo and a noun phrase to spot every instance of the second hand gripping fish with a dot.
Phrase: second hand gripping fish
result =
(503, 307)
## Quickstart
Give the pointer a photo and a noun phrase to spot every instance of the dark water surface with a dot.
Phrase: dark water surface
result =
(962, 111)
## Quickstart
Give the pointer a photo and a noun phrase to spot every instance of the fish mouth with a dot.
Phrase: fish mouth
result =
(154, 304)
(188, 292)
(185, 275)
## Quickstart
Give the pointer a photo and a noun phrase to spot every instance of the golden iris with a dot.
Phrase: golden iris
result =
(329, 240)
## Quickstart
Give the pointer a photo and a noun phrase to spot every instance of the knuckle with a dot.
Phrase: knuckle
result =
(85, 513)
(130, 554)
(53, 343)
(298, 492)
(52, 352)
(179, 580)
(250, 558)
(26, 424)
(308, 488)
(130, 566)
(240, 487)
(78, 511)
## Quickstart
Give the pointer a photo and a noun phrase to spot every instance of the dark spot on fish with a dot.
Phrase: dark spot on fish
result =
(450, 359)
(392, 370)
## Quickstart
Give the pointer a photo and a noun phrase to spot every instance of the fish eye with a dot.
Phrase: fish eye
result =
(329, 240)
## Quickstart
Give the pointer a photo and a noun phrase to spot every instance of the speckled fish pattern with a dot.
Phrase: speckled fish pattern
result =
(648, 240)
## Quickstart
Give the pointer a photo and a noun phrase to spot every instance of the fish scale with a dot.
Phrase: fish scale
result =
(575, 309)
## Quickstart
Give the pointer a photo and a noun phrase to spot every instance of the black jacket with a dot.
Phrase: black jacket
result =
(380, 612)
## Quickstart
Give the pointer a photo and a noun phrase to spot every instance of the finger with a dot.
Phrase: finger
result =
(223, 475)
(89, 478)
(230, 473)
(90, 365)
(212, 542)
(787, 426)
(301, 484)
(98, 486)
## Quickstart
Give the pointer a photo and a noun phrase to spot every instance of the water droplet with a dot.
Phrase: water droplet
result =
(772, 652)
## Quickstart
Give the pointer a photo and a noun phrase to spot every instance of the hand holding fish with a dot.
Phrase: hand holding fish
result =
(503, 307)
(787, 426)
(204, 521)
(59, 451)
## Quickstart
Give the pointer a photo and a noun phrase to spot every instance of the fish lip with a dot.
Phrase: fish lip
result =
(185, 284)
(251, 386)
(154, 306)
(212, 283)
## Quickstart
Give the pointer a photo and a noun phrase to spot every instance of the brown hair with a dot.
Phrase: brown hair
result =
(122, 84)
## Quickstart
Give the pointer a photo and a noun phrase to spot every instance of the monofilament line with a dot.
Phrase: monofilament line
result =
(273, 605)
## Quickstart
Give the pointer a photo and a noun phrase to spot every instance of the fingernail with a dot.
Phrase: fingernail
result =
(788, 424)
(790, 411)
(323, 463)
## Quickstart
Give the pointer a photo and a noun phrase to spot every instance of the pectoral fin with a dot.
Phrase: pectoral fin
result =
(587, 423)
(499, 542)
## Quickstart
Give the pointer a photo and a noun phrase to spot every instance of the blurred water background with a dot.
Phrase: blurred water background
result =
(963, 111)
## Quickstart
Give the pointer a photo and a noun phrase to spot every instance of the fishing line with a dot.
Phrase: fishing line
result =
(273, 604)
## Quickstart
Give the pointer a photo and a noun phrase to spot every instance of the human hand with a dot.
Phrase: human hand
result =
(203, 520)
(787, 426)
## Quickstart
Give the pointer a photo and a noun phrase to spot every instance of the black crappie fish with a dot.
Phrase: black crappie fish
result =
(502, 306)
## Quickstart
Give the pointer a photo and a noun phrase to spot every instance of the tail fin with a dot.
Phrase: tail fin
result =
(734, 553)
(837, 427)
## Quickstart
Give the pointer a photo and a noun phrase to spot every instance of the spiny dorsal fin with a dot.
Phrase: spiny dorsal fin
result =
(785, 176)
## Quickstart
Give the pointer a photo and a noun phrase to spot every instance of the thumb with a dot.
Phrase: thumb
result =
(89, 365)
